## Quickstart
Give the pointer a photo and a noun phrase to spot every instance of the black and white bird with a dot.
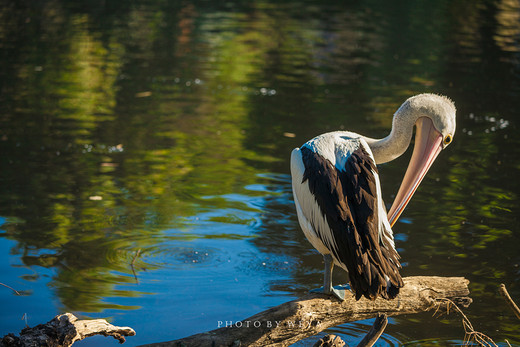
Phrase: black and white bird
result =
(338, 195)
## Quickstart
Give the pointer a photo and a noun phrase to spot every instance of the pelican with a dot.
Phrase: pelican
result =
(338, 196)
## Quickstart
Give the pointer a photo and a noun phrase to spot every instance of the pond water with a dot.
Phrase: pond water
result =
(145, 156)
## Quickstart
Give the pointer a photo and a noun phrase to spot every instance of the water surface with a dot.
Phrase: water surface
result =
(145, 156)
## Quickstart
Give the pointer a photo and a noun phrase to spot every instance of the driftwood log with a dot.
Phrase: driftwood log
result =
(63, 331)
(290, 322)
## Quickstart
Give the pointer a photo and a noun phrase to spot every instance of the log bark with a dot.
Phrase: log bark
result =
(290, 322)
(63, 331)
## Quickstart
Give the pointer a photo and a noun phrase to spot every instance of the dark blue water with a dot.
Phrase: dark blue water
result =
(145, 156)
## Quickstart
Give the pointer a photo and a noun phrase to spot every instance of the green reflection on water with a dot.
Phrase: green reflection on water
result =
(98, 166)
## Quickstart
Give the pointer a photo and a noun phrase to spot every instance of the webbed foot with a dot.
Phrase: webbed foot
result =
(337, 291)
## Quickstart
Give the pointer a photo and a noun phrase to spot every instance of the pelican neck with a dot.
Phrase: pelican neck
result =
(396, 143)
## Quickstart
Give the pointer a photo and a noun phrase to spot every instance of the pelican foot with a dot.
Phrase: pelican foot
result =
(337, 291)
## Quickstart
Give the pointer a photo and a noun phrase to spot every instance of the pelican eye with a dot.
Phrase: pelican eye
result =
(447, 140)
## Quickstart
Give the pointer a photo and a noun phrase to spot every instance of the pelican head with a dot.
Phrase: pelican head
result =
(434, 119)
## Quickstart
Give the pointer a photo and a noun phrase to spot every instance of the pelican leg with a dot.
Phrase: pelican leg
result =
(338, 291)
(327, 277)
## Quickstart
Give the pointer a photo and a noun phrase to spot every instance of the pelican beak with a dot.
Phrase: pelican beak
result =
(428, 144)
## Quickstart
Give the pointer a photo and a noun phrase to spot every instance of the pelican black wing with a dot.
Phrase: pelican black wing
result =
(348, 200)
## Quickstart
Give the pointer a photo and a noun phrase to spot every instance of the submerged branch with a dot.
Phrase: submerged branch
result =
(509, 300)
(330, 341)
(14, 290)
(375, 332)
(471, 336)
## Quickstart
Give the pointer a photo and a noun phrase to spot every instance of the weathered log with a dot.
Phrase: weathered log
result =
(63, 331)
(290, 322)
